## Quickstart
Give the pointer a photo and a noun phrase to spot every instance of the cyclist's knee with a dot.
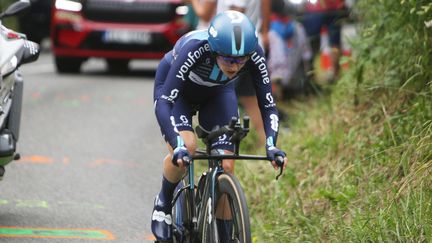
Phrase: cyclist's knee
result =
(228, 166)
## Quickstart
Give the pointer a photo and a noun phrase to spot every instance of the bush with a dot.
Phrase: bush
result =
(360, 158)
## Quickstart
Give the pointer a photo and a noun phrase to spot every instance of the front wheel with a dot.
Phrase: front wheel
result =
(230, 221)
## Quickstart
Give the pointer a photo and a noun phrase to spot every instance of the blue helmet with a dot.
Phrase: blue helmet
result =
(231, 33)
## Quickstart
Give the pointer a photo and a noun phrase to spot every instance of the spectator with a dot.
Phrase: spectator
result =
(289, 51)
(205, 10)
(325, 13)
(191, 18)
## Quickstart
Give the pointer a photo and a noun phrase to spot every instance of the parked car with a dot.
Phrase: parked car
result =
(116, 30)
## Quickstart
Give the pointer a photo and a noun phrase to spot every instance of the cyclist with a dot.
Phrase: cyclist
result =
(199, 75)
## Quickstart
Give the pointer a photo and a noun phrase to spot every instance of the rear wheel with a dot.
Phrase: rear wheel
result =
(231, 211)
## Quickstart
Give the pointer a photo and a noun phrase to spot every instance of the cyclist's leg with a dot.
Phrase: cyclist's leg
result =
(161, 217)
(333, 21)
(218, 111)
(174, 173)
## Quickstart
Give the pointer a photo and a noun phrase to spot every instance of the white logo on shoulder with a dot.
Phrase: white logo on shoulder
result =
(174, 94)
(161, 217)
(213, 32)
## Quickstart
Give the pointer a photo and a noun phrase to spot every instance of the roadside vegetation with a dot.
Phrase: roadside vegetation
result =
(360, 156)
(10, 22)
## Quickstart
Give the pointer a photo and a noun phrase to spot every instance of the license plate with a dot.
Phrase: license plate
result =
(127, 37)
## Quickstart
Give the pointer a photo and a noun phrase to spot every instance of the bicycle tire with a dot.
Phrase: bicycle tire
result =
(228, 185)
(209, 232)
(181, 215)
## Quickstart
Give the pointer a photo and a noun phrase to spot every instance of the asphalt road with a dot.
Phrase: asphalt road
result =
(91, 156)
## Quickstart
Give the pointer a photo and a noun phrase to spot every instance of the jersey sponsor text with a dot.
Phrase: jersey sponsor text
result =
(192, 58)
(261, 63)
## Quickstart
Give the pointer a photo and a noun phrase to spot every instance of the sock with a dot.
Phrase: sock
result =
(167, 191)
(224, 229)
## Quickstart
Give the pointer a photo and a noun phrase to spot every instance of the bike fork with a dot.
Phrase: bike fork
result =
(192, 201)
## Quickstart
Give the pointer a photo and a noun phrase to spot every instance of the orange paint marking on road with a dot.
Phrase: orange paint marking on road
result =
(55, 233)
(85, 98)
(66, 160)
(151, 237)
(36, 95)
(100, 162)
(36, 159)
(60, 96)
(40, 159)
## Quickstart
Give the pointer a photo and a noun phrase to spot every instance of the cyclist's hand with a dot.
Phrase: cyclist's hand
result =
(277, 157)
(181, 156)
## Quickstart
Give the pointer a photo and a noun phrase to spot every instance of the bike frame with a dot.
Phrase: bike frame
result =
(214, 170)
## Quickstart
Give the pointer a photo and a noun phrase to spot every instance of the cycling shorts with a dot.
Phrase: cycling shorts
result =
(216, 111)
(244, 85)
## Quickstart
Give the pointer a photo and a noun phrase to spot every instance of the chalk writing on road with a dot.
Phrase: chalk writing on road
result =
(46, 160)
(27, 232)
(29, 203)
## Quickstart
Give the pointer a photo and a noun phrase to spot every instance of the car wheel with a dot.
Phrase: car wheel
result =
(118, 65)
(68, 64)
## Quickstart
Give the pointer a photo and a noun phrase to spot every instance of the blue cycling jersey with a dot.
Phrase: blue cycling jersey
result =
(189, 72)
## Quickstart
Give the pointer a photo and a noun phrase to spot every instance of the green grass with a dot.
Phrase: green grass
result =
(9, 22)
(355, 174)
(360, 157)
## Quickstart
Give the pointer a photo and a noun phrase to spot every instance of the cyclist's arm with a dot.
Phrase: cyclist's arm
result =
(267, 105)
(171, 90)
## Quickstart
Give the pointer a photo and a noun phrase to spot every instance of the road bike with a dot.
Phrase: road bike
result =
(195, 206)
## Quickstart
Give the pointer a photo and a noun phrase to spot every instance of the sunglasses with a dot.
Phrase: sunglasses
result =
(233, 60)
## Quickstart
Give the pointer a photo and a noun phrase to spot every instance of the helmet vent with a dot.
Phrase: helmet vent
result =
(238, 37)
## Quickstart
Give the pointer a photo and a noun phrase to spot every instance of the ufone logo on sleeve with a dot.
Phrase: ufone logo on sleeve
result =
(261, 63)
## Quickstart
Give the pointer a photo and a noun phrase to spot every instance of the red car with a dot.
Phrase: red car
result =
(117, 30)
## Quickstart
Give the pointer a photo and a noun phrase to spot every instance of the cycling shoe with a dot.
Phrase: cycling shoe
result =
(161, 223)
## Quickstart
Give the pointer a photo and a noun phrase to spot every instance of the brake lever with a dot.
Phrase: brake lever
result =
(280, 173)
(279, 162)
(186, 160)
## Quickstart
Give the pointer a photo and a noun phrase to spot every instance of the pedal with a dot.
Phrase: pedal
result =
(17, 156)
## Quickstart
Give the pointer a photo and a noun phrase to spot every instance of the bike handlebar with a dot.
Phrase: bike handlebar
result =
(204, 156)
(231, 129)
(236, 133)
